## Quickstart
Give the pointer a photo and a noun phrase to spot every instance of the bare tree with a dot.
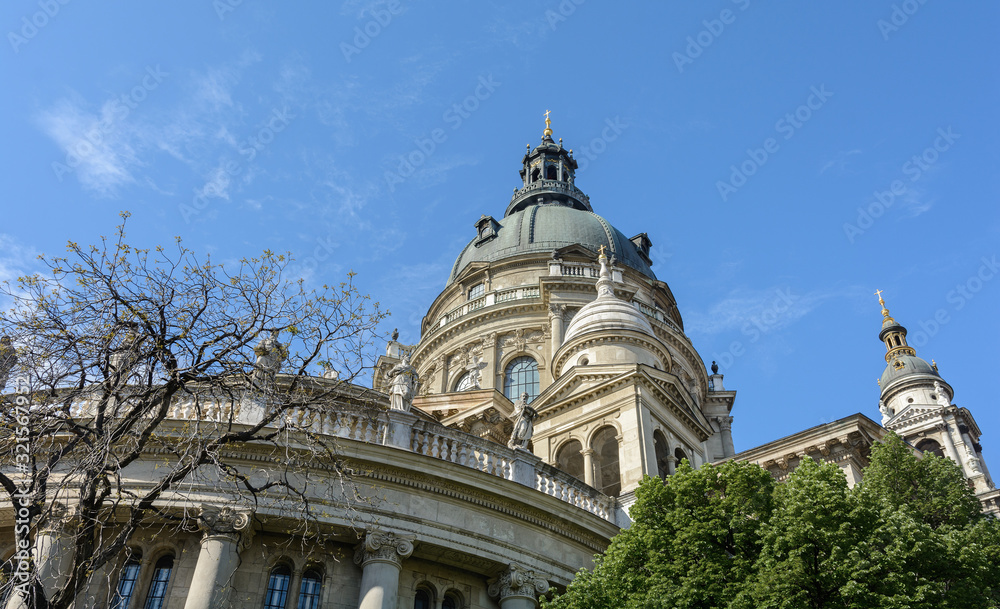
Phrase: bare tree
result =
(125, 355)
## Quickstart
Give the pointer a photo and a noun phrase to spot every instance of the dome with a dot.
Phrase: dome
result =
(544, 228)
(911, 365)
(609, 314)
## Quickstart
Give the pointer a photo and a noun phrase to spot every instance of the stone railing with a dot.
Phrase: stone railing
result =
(405, 431)
(552, 186)
(488, 300)
(439, 442)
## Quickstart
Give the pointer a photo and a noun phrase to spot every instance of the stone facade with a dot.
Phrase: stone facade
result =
(551, 301)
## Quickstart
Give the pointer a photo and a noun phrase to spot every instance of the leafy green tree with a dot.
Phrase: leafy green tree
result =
(804, 561)
(925, 541)
(693, 541)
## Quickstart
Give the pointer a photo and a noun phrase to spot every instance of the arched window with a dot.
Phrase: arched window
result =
(661, 452)
(309, 591)
(930, 446)
(570, 459)
(277, 587)
(126, 585)
(551, 172)
(450, 602)
(157, 595)
(521, 375)
(422, 600)
(465, 383)
(608, 479)
(680, 456)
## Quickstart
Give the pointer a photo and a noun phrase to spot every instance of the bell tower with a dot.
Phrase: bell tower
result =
(917, 404)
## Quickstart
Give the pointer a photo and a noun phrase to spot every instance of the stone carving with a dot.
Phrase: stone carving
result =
(517, 581)
(402, 384)
(8, 359)
(884, 409)
(725, 423)
(489, 341)
(518, 340)
(557, 310)
(524, 427)
(270, 353)
(475, 370)
(942, 394)
(225, 520)
(384, 546)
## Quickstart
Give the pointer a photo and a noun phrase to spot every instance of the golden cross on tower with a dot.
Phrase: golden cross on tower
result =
(879, 294)
(600, 250)
(548, 124)
(546, 116)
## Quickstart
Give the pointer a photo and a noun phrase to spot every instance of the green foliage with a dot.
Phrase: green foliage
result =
(693, 541)
(910, 536)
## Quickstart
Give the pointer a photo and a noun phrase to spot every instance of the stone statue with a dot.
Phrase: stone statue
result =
(524, 416)
(402, 384)
(8, 359)
(270, 353)
(942, 394)
(883, 408)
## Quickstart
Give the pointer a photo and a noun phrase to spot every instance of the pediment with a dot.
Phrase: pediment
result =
(587, 384)
(912, 414)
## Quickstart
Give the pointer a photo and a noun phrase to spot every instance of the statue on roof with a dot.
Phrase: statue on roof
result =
(402, 384)
(524, 427)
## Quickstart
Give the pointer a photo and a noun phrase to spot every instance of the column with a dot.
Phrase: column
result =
(54, 549)
(517, 588)
(227, 531)
(949, 444)
(588, 466)
(726, 428)
(556, 312)
(381, 557)
(671, 463)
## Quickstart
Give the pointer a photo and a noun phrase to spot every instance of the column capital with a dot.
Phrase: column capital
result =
(725, 423)
(383, 546)
(587, 452)
(517, 581)
(226, 521)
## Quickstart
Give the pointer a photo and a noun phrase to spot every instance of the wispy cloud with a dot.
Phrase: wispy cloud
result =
(840, 161)
(97, 146)
(772, 308)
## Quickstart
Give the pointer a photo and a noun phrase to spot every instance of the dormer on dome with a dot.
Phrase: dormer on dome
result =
(548, 175)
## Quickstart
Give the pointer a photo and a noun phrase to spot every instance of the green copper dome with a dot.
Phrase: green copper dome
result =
(544, 228)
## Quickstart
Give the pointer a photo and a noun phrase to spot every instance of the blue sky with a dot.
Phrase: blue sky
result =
(786, 159)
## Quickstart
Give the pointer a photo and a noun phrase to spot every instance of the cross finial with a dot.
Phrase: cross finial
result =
(548, 124)
(546, 116)
(879, 294)
(601, 250)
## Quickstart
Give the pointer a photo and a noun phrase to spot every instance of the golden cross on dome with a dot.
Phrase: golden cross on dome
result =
(879, 294)
(601, 250)
(546, 116)
(548, 124)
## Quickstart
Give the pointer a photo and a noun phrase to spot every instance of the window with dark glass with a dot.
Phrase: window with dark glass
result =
(126, 585)
(605, 445)
(309, 591)
(521, 376)
(277, 587)
(569, 458)
(449, 602)
(422, 600)
(477, 291)
(660, 451)
(158, 586)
